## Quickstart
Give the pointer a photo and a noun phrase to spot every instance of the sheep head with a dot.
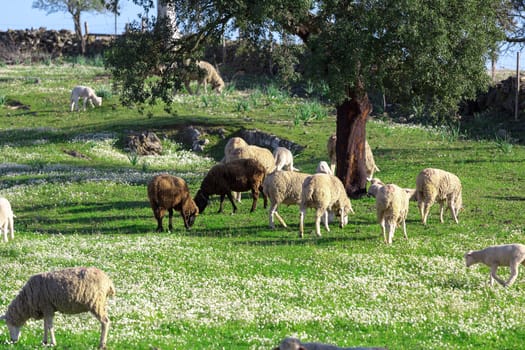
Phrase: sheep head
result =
(189, 213)
(14, 331)
(469, 259)
(201, 200)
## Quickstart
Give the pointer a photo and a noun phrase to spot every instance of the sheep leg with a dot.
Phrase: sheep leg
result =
(11, 227)
(265, 198)
(403, 223)
(74, 103)
(231, 201)
(170, 226)
(255, 195)
(454, 211)
(513, 274)
(159, 214)
(85, 101)
(493, 276)
(326, 220)
(188, 88)
(48, 330)
(441, 210)
(101, 316)
(281, 220)
(383, 230)
(301, 222)
(273, 211)
(391, 230)
(4, 231)
(319, 213)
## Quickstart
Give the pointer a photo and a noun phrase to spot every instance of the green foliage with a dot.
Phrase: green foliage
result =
(310, 111)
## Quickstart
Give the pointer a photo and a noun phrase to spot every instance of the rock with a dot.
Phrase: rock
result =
(144, 144)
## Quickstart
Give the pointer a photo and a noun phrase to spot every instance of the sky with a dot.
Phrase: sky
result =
(19, 14)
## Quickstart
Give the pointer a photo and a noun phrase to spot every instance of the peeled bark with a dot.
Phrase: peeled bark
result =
(350, 145)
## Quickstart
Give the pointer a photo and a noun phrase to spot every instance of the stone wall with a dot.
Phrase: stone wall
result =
(18, 46)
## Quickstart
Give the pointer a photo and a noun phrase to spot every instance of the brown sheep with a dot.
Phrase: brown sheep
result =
(167, 192)
(237, 175)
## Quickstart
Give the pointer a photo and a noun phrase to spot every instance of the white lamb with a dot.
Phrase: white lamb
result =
(370, 163)
(87, 94)
(6, 219)
(511, 255)
(283, 159)
(205, 74)
(324, 192)
(69, 291)
(392, 204)
(436, 185)
(295, 344)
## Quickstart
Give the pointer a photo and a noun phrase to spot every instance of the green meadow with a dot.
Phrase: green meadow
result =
(231, 282)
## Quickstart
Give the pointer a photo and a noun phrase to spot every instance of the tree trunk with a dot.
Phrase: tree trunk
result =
(78, 32)
(350, 146)
(166, 12)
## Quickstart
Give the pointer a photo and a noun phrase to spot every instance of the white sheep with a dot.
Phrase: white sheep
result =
(87, 94)
(436, 185)
(376, 184)
(69, 291)
(6, 219)
(295, 344)
(324, 192)
(392, 203)
(283, 187)
(511, 255)
(283, 159)
(323, 167)
(370, 163)
(205, 74)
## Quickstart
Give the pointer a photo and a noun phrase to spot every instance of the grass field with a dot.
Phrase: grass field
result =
(230, 282)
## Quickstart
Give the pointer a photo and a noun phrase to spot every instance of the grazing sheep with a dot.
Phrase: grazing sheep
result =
(6, 218)
(324, 192)
(238, 175)
(392, 209)
(233, 143)
(168, 193)
(283, 187)
(295, 344)
(323, 167)
(283, 159)
(438, 185)
(370, 163)
(205, 74)
(511, 255)
(87, 94)
(261, 154)
(69, 291)
(376, 184)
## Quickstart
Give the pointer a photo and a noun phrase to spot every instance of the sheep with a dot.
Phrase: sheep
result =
(511, 255)
(238, 175)
(438, 185)
(283, 187)
(283, 159)
(370, 163)
(295, 344)
(204, 74)
(6, 219)
(392, 203)
(88, 94)
(324, 192)
(376, 184)
(168, 193)
(69, 291)
(323, 167)
(237, 148)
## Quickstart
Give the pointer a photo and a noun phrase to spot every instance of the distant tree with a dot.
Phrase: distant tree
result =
(425, 54)
(73, 7)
